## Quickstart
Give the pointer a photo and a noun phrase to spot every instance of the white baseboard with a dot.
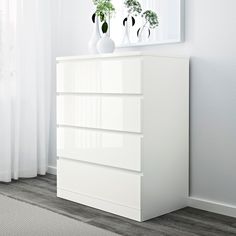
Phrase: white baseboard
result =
(216, 207)
(52, 170)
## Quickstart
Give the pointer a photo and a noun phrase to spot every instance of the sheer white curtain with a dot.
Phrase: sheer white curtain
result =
(25, 79)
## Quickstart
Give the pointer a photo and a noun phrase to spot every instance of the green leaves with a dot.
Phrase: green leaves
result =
(93, 17)
(133, 6)
(104, 27)
(138, 31)
(152, 18)
(133, 21)
(126, 20)
(104, 10)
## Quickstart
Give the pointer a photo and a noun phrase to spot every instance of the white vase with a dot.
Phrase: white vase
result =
(105, 44)
(144, 34)
(128, 24)
(96, 36)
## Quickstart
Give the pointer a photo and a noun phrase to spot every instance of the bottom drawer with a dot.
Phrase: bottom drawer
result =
(99, 183)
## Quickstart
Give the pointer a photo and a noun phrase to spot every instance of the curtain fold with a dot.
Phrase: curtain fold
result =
(25, 82)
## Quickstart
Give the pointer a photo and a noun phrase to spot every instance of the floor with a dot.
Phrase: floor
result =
(18, 218)
(41, 191)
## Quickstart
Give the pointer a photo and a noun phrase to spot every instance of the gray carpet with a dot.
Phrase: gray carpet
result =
(22, 219)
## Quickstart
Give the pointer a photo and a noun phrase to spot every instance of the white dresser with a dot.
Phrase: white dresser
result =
(123, 133)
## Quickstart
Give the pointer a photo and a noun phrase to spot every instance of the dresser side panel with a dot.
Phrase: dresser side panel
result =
(165, 121)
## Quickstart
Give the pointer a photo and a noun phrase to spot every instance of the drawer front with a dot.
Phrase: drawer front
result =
(102, 112)
(100, 76)
(104, 148)
(99, 183)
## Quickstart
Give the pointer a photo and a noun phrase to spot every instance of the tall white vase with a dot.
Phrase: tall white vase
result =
(96, 36)
(128, 24)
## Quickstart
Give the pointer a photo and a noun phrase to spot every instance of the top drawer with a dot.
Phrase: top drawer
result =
(121, 76)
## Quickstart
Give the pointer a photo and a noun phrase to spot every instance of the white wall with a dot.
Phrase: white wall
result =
(211, 43)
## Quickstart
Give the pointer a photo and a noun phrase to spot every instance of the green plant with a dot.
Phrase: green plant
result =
(151, 19)
(133, 6)
(134, 9)
(104, 10)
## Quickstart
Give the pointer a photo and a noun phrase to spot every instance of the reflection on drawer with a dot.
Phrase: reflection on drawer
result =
(100, 76)
(102, 112)
(105, 148)
(100, 183)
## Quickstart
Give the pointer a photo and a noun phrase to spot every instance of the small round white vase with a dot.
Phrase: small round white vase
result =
(105, 45)
(96, 36)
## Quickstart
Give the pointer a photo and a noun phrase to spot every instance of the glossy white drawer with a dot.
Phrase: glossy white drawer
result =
(100, 76)
(105, 148)
(103, 112)
(100, 183)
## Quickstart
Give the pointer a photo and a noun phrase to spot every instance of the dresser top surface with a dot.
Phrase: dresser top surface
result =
(114, 55)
